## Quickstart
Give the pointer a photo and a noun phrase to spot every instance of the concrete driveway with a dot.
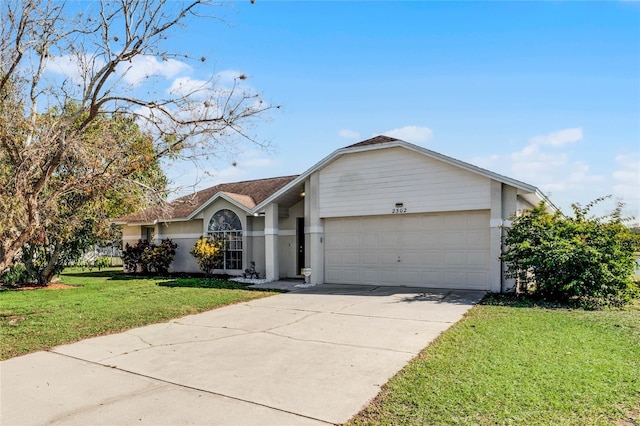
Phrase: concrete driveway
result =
(312, 356)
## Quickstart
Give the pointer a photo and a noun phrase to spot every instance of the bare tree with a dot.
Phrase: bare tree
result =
(63, 70)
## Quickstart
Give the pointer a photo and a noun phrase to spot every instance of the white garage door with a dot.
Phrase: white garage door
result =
(428, 250)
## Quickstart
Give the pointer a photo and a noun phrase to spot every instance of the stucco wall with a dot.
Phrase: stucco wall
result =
(185, 234)
(131, 235)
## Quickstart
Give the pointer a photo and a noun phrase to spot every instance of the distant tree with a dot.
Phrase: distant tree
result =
(77, 147)
(583, 259)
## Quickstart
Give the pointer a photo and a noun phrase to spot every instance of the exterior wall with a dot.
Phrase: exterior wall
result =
(131, 235)
(185, 234)
(255, 243)
(524, 205)
(372, 182)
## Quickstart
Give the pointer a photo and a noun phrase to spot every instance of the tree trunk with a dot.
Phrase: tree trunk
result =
(47, 274)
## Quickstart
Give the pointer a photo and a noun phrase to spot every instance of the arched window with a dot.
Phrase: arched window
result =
(225, 225)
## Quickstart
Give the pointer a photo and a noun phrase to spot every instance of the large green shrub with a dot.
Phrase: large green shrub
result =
(16, 274)
(588, 261)
(158, 258)
(132, 257)
(146, 258)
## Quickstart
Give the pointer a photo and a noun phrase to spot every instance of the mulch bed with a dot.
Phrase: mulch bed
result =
(31, 286)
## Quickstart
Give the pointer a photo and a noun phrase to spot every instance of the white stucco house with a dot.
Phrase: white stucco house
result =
(381, 211)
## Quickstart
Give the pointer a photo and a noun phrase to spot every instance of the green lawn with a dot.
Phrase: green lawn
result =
(103, 302)
(512, 363)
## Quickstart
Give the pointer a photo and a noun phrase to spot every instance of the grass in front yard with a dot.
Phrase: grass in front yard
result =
(103, 302)
(513, 363)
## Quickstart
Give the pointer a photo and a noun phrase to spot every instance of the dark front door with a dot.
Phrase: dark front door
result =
(300, 242)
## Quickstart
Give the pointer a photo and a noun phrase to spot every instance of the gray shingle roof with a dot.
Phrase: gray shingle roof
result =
(247, 193)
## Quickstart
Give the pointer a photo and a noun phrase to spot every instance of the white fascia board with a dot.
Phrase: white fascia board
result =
(212, 199)
(179, 219)
(300, 179)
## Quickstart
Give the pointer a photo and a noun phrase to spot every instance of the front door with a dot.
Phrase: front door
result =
(300, 243)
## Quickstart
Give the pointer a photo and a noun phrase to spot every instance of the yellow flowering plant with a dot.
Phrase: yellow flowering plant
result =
(208, 254)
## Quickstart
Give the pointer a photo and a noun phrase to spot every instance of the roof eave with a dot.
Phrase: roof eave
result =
(213, 198)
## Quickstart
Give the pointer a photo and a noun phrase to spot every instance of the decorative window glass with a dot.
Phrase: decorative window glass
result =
(225, 226)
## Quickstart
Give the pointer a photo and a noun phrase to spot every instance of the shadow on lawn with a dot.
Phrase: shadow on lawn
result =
(211, 283)
(95, 274)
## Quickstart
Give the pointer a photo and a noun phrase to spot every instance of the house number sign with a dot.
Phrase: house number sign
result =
(399, 210)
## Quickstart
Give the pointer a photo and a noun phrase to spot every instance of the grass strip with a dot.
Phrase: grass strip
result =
(515, 364)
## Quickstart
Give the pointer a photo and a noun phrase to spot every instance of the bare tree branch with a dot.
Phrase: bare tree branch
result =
(68, 102)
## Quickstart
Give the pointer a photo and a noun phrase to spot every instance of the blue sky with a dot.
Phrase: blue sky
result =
(544, 92)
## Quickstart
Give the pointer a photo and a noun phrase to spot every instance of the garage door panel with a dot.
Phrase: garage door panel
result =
(477, 259)
(453, 277)
(370, 276)
(431, 259)
(437, 250)
(333, 258)
(455, 239)
(334, 275)
(412, 240)
(409, 277)
(351, 275)
(389, 258)
(370, 259)
(333, 240)
(389, 240)
(351, 241)
(432, 278)
(369, 241)
(430, 223)
(477, 280)
(454, 258)
(476, 220)
(478, 238)
(351, 258)
(411, 222)
(389, 276)
(368, 225)
(410, 258)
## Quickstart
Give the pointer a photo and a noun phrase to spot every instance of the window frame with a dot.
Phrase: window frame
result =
(226, 225)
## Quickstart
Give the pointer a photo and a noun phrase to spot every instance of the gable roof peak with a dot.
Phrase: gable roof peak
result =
(373, 141)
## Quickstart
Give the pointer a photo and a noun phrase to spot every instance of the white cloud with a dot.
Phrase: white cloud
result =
(348, 134)
(546, 163)
(559, 138)
(227, 76)
(183, 86)
(627, 178)
(145, 66)
(75, 67)
(414, 134)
